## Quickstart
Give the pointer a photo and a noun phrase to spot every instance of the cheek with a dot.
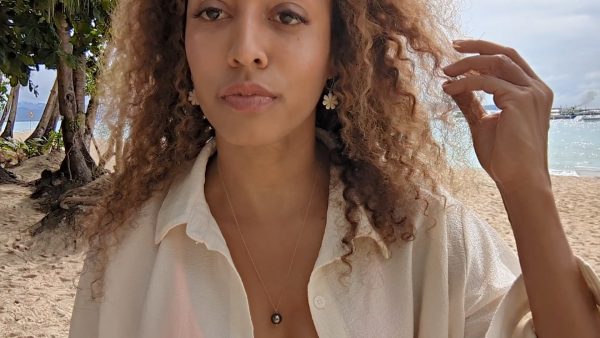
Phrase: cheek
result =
(192, 53)
(307, 66)
(309, 51)
(202, 61)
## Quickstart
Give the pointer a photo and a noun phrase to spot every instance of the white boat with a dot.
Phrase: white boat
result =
(591, 118)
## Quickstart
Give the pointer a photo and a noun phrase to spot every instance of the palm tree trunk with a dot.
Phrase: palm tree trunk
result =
(47, 115)
(6, 107)
(90, 121)
(53, 120)
(6, 111)
(79, 87)
(76, 164)
(10, 124)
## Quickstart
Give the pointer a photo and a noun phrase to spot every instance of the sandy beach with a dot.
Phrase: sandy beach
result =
(38, 282)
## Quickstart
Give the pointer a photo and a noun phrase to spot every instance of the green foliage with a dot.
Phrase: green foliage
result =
(30, 39)
(54, 141)
(44, 145)
(13, 152)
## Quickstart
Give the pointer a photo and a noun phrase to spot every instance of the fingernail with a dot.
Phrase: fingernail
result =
(446, 83)
(457, 43)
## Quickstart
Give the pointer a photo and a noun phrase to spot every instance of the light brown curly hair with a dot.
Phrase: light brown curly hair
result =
(390, 98)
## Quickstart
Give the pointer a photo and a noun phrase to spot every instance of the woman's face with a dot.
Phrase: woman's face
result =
(283, 46)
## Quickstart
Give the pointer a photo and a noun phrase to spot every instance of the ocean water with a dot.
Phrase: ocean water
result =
(573, 146)
(26, 126)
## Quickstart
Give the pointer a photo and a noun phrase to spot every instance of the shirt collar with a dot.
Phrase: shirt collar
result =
(185, 203)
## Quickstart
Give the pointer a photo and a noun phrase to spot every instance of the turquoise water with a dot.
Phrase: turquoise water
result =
(573, 146)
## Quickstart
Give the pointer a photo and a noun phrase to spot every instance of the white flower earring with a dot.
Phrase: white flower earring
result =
(330, 100)
(192, 98)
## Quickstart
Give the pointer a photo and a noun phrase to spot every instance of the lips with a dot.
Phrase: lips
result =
(252, 103)
(247, 96)
(246, 89)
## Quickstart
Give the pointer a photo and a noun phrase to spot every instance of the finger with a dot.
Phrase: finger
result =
(470, 107)
(489, 48)
(500, 66)
(489, 84)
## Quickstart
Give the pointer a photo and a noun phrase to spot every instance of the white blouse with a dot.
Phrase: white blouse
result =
(173, 276)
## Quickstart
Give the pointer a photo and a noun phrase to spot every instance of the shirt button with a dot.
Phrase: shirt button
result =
(319, 302)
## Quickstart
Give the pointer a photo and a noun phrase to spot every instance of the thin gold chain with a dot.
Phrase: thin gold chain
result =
(276, 308)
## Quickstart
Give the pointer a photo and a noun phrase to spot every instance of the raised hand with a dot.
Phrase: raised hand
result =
(512, 145)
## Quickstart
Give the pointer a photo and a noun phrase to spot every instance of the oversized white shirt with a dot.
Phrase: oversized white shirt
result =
(173, 276)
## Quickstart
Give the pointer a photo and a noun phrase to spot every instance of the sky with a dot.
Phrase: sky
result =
(559, 39)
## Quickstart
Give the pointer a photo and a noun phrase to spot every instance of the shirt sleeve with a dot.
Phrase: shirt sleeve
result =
(496, 303)
(513, 317)
(85, 316)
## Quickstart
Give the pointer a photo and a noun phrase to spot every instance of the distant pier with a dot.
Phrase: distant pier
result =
(579, 114)
(572, 113)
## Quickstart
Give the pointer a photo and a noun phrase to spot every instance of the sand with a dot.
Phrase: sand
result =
(37, 288)
(38, 284)
(578, 202)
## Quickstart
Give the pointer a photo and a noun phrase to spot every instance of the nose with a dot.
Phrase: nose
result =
(248, 45)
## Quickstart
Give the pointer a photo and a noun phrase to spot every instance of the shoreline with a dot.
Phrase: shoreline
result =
(576, 172)
(40, 275)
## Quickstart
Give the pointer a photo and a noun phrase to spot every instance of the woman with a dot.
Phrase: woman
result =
(279, 150)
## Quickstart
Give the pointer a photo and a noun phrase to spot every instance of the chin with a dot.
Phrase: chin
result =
(252, 136)
(270, 127)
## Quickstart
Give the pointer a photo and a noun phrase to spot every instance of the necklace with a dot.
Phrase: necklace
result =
(276, 317)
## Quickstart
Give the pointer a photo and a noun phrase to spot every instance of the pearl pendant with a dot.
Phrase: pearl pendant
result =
(276, 318)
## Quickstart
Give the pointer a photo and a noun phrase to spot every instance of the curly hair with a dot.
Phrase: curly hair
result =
(388, 86)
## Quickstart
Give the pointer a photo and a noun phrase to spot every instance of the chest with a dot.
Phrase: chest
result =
(196, 292)
(271, 282)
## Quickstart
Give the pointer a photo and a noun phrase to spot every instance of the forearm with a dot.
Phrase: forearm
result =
(561, 303)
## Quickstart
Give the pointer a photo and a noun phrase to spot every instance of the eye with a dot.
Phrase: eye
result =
(289, 17)
(209, 14)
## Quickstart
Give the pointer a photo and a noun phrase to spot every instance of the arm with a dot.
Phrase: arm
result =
(512, 147)
(555, 287)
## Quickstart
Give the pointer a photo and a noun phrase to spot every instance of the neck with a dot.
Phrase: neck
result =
(269, 185)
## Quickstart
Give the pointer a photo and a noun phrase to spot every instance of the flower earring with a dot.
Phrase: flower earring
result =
(192, 98)
(330, 100)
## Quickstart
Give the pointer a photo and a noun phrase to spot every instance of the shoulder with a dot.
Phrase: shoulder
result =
(452, 214)
(464, 233)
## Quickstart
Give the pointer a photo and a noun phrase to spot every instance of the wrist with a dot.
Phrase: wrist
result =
(531, 208)
(526, 186)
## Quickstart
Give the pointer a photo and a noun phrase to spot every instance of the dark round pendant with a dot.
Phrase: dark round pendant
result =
(276, 318)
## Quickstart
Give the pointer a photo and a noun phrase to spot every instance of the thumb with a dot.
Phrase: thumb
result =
(470, 107)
